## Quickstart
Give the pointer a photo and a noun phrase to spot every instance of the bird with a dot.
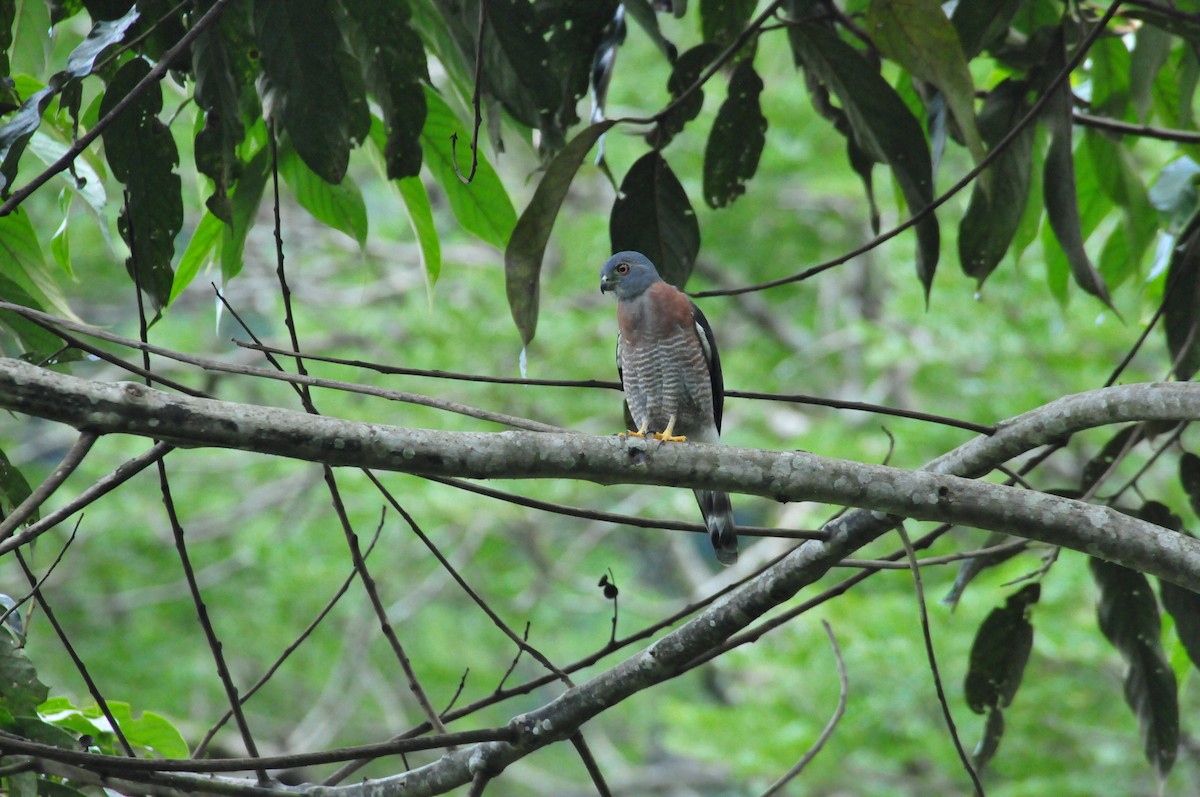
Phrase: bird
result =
(670, 373)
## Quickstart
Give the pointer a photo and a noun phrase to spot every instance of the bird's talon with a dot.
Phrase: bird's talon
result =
(670, 438)
(632, 434)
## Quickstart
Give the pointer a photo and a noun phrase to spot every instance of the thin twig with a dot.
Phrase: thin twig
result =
(102, 487)
(93, 690)
(884, 564)
(475, 103)
(589, 763)
(70, 461)
(843, 691)
(45, 576)
(933, 665)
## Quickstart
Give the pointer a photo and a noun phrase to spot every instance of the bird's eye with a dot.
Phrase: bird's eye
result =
(623, 268)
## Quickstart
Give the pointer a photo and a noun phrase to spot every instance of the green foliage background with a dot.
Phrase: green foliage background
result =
(269, 553)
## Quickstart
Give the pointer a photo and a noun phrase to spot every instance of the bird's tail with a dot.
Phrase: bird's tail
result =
(718, 516)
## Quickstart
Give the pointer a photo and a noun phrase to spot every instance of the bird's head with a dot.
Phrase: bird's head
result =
(628, 274)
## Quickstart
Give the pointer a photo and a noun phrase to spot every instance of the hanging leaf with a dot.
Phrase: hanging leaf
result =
(917, 35)
(883, 126)
(340, 206)
(736, 142)
(1189, 478)
(1061, 197)
(20, 689)
(206, 238)
(142, 155)
(1000, 652)
(393, 74)
(1181, 297)
(982, 23)
(994, 215)
(527, 246)
(722, 20)
(1128, 615)
(652, 215)
(481, 207)
(247, 196)
(13, 487)
(517, 66)
(683, 76)
(217, 93)
(16, 132)
(302, 84)
(104, 34)
(1151, 49)
(977, 564)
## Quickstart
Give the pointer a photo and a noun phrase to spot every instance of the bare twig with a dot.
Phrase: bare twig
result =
(70, 461)
(475, 103)
(811, 753)
(933, 666)
(45, 576)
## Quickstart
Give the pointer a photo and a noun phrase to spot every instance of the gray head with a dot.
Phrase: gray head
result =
(629, 274)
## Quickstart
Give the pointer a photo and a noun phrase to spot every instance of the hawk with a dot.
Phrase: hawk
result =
(671, 373)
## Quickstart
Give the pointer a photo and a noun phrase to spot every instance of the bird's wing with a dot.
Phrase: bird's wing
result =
(709, 344)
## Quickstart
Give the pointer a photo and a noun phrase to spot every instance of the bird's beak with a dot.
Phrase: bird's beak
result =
(607, 284)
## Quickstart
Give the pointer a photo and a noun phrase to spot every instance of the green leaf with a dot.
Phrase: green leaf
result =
(23, 263)
(1000, 652)
(217, 93)
(60, 242)
(482, 207)
(736, 142)
(393, 74)
(89, 185)
(1110, 68)
(149, 731)
(883, 127)
(9, 99)
(1128, 615)
(247, 195)
(339, 206)
(1184, 607)
(1059, 189)
(523, 256)
(722, 20)
(20, 689)
(684, 74)
(141, 153)
(994, 215)
(16, 132)
(22, 784)
(1189, 478)
(652, 215)
(982, 23)
(103, 35)
(975, 565)
(302, 81)
(918, 36)
(517, 65)
(13, 487)
(420, 217)
(205, 239)
(1181, 322)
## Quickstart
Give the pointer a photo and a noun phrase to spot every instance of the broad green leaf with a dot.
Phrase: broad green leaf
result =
(523, 256)
(60, 243)
(9, 100)
(34, 343)
(982, 23)
(1031, 219)
(339, 206)
(63, 9)
(16, 132)
(217, 93)
(883, 127)
(20, 689)
(420, 217)
(302, 82)
(575, 32)
(141, 153)
(685, 73)
(104, 34)
(1128, 615)
(1059, 189)
(1181, 322)
(736, 142)
(918, 36)
(652, 215)
(90, 183)
(1151, 50)
(205, 239)
(1110, 68)
(1174, 191)
(23, 263)
(722, 20)
(517, 65)
(482, 207)
(22, 784)
(30, 51)
(247, 195)
(38, 730)
(993, 216)
(1000, 652)
(393, 75)
(13, 487)
(148, 730)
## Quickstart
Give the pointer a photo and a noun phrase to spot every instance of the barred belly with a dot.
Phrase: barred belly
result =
(669, 377)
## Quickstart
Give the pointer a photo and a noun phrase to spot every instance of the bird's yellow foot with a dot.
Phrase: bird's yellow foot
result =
(668, 435)
(631, 434)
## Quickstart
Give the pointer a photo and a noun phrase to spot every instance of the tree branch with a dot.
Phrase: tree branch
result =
(128, 408)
